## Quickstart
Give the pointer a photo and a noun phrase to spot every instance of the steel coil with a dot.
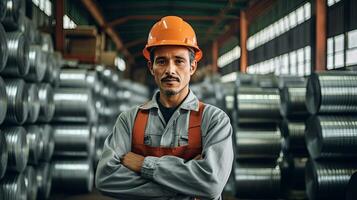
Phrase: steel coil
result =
(31, 183)
(351, 191)
(258, 105)
(332, 92)
(78, 78)
(137, 88)
(74, 140)
(293, 99)
(74, 105)
(35, 142)
(257, 181)
(3, 155)
(4, 51)
(47, 106)
(74, 176)
(331, 136)
(44, 180)
(17, 148)
(293, 133)
(33, 103)
(46, 42)
(48, 142)
(27, 27)
(48, 77)
(18, 64)
(326, 180)
(12, 187)
(2, 10)
(289, 80)
(38, 64)
(12, 14)
(258, 144)
(3, 101)
(17, 104)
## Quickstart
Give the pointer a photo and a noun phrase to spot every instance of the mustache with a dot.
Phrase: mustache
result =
(169, 78)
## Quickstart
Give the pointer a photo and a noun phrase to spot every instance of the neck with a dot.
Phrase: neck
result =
(173, 100)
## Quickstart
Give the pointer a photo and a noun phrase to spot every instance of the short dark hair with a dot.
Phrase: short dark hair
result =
(190, 51)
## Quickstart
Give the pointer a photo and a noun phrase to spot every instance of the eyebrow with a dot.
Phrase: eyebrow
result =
(163, 57)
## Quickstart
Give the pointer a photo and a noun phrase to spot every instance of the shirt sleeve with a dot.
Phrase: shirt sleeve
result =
(114, 179)
(203, 178)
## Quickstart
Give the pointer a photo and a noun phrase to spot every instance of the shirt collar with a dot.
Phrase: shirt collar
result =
(190, 103)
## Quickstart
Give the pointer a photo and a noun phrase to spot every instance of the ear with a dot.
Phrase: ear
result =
(150, 67)
(193, 67)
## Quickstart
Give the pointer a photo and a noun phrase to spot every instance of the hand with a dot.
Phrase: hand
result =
(133, 161)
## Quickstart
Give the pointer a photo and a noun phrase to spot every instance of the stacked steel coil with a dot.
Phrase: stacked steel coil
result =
(3, 101)
(3, 155)
(258, 105)
(4, 52)
(258, 144)
(12, 14)
(31, 183)
(293, 133)
(74, 140)
(292, 98)
(33, 103)
(47, 106)
(17, 148)
(18, 61)
(252, 181)
(48, 142)
(332, 136)
(72, 176)
(35, 142)
(332, 92)
(17, 104)
(351, 192)
(38, 62)
(44, 180)
(13, 187)
(328, 180)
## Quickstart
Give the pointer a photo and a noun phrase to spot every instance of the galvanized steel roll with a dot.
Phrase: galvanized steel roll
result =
(258, 105)
(78, 78)
(289, 80)
(351, 191)
(18, 61)
(17, 104)
(332, 92)
(38, 64)
(12, 187)
(35, 142)
(327, 180)
(46, 42)
(3, 101)
(3, 155)
(331, 136)
(258, 144)
(74, 176)
(48, 77)
(4, 51)
(293, 98)
(47, 106)
(293, 133)
(2, 10)
(48, 141)
(31, 183)
(74, 140)
(17, 147)
(44, 180)
(27, 27)
(253, 181)
(33, 103)
(12, 14)
(74, 105)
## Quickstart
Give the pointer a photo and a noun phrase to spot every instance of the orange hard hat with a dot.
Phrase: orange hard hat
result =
(172, 30)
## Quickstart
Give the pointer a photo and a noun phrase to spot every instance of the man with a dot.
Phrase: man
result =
(173, 147)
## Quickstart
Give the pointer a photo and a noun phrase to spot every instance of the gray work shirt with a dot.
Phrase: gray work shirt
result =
(168, 177)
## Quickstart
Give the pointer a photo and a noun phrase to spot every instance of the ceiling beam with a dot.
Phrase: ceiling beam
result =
(258, 9)
(98, 16)
(125, 19)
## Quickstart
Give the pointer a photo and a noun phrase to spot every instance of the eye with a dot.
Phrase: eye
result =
(160, 62)
(180, 61)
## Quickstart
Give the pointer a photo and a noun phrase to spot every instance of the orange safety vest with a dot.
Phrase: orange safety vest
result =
(186, 152)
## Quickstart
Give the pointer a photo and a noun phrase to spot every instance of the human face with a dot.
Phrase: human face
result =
(172, 69)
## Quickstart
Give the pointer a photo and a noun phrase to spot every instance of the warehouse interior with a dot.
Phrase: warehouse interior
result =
(284, 71)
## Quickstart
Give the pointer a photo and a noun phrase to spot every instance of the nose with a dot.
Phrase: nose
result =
(171, 68)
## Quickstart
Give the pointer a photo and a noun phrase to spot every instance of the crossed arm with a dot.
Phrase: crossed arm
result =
(123, 174)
